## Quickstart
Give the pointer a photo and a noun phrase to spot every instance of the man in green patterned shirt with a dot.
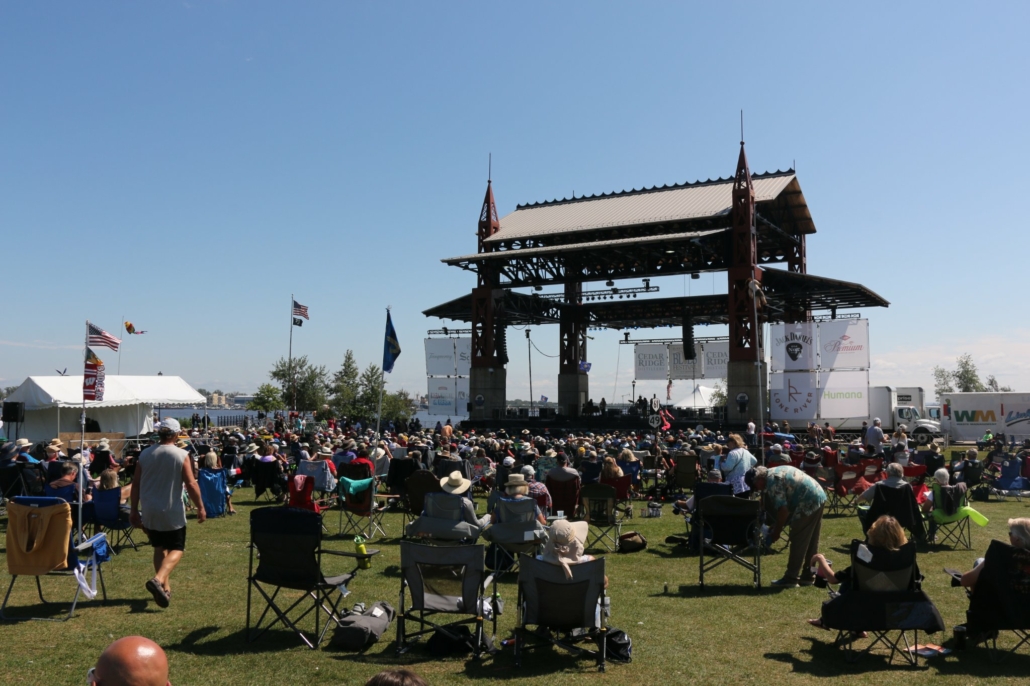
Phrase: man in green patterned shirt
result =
(794, 498)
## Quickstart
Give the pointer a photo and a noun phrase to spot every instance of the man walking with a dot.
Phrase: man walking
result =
(161, 472)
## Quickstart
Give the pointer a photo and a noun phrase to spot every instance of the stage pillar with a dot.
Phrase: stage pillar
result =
(487, 392)
(573, 381)
(743, 377)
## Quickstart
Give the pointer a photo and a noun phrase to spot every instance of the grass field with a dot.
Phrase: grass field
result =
(728, 633)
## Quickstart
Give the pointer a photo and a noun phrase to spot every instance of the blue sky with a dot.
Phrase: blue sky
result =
(189, 165)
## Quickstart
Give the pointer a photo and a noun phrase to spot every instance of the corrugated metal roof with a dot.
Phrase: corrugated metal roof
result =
(593, 245)
(634, 207)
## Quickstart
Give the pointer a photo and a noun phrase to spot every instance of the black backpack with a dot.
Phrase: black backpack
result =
(619, 646)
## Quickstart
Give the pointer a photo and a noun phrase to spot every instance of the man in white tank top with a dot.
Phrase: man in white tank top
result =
(161, 473)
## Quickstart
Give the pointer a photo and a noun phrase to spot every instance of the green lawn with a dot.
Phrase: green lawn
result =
(727, 633)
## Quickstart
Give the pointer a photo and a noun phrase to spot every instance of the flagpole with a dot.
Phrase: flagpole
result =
(120, 348)
(82, 433)
(289, 368)
(382, 389)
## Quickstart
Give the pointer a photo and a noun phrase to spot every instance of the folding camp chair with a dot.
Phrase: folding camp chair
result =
(564, 496)
(268, 480)
(842, 500)
(108, 513)
(442, 580)
(597, 506)
(442, 520)
(951, 517)
(1010, 481)
(872, 469)
(515, 530)
(401, 468)
(443, 468)
(213, 489)
(623, 495)
(632, 470)
(288, 545)
(885, 597)
(418, 486)
(564, 611)
(325, 482)
(684, 476)
(734, 525)
(358, 505)
(898, 502)
(1002, 599)
(33, 478)
(590, 472)
(649, 471)
(40, 543)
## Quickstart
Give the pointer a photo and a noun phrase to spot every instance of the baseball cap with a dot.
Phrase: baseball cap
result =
(170, 424)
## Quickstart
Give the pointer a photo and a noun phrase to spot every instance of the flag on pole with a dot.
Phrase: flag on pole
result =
(131, 330)
(297, 321)
(543, 398)
(93, 377)
(300, 311)
(391, 347)
(584, 366)
(97, 336)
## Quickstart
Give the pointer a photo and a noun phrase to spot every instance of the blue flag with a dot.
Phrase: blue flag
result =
(391, 348)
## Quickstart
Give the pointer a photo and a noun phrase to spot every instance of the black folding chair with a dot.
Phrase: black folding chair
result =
(288, 545)
(442, 580)
(35, 526)
(565, 612)
(1001, 600)
(417, 486)
(598, 507)
(268, 480)
(898, 502)
(885, 597)
(734, 525)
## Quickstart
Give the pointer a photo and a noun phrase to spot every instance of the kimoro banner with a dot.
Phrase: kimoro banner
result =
(793, 347)
(844, 343)
(439, 357)
(682, 368)
(793, 396)
(651, 362)
(844, 395)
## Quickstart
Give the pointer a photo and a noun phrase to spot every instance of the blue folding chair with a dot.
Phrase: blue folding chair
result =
(213, 489)
(107, 512)
(1010, 481)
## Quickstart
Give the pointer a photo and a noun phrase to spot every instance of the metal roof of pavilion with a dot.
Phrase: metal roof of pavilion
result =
(657, 205)
(786, 292)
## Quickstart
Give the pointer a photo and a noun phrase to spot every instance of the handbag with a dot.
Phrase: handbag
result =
(631, 542)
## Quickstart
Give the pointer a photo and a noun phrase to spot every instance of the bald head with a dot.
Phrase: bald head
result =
(132, 661)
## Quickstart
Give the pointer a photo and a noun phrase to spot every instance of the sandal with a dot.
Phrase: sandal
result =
(818, 623)
(161, 596)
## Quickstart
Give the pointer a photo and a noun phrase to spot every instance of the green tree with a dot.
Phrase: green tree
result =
(344, 389)
(718, 397)
(942, 382)
(203, 391)
(966, 375)
(267, 399)
(992, 385)
(370, 384)
(302, 379)
(397, 406)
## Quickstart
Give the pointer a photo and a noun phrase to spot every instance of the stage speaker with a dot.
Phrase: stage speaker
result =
(546, 412)
(523, 412)
(688, 338)
(13, 412)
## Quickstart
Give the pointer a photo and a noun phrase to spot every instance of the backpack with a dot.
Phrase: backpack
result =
(457, 640)
(618, 645)
(631, 542)
(362, 628)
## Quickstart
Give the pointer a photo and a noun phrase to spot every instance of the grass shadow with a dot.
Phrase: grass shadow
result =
(711, 590)
(235, 643)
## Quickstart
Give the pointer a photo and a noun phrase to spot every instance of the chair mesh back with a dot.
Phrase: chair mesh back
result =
(598, 503)
(553, 601)
(564, 495)
(888, 570)
(948, 498)
(1002, 598)
(418, 485)
(105, 504)
(519, 511)
(732, 521)
(288, 541)
(705, 489)
(444, 506)
(443, 579)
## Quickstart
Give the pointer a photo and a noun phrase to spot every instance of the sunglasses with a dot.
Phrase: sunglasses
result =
(91, 676)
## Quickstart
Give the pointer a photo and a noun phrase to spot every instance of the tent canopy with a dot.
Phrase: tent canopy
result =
(43, 392)
(700, 397)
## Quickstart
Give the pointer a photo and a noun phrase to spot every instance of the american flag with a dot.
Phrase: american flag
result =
(97, 336)
(300, 310)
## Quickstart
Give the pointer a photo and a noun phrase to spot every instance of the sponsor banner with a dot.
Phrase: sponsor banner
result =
(793, 396)
(844, 343)
(463, 355)
(844, 394)
(682, 368)
(651, 362)
(793, 347)
(968, 416)
(439, 357)
(441, 396)
(716, 356)
(461, 396)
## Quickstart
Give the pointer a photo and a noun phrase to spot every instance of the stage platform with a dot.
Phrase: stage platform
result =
(561, 425)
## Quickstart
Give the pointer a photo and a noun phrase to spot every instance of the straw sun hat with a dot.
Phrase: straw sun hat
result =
(455, 483)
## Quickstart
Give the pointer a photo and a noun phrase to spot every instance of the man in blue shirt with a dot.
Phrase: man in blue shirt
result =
(23, 446)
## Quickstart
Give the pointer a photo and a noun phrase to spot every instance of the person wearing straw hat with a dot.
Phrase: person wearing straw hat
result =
(456, 484)
(517, 488)
(60, 447)
(565, 545)
(23, 446)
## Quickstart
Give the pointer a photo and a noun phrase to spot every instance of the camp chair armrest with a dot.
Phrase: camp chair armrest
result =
(488, 581)
(91, 541)
(343, 553)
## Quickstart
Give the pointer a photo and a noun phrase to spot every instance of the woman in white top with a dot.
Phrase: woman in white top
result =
(736, 463)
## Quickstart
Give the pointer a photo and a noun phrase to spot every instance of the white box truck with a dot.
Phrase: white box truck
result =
(967, 416)
(885, 403)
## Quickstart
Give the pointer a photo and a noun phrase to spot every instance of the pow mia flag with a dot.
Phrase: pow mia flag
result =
(297, 321)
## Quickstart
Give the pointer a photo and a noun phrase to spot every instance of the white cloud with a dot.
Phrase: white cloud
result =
(40, 345)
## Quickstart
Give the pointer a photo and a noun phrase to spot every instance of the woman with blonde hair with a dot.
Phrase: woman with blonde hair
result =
(884, 534)
(610, 469)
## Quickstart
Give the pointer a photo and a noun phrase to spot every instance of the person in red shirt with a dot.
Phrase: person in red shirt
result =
(362, 458)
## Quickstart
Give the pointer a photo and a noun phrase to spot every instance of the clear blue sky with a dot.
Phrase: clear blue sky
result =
(188, 165)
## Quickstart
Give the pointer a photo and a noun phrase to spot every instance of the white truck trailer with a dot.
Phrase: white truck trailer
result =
(968, 416)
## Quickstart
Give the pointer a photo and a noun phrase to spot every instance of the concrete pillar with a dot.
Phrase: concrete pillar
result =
(741, 378)
(487, 392)
(573, 391)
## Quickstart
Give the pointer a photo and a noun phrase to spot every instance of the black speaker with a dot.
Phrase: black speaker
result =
(688, 338)
(14, 412)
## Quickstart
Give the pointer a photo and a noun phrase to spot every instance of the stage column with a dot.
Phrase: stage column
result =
(573, 383)
(488, 377)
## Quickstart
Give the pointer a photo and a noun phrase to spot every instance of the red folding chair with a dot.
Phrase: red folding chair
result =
(564, 496)
(842, 500)
(623, 501)
(872, 469)
(914, 471)
(301, 490)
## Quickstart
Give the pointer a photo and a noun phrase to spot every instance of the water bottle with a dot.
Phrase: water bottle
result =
(359, 548)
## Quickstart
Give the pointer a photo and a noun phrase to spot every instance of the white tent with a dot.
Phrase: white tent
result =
(53, 403)
(701, 397)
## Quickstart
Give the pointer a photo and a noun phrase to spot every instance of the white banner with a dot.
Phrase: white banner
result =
(844, 395)
(793, 396)
(439, 357)
(716, 356)
(844, 343)
(461, 398)
(441, 396)
(682, 368)
(793, 347)
(463, 353)
(651, 362)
